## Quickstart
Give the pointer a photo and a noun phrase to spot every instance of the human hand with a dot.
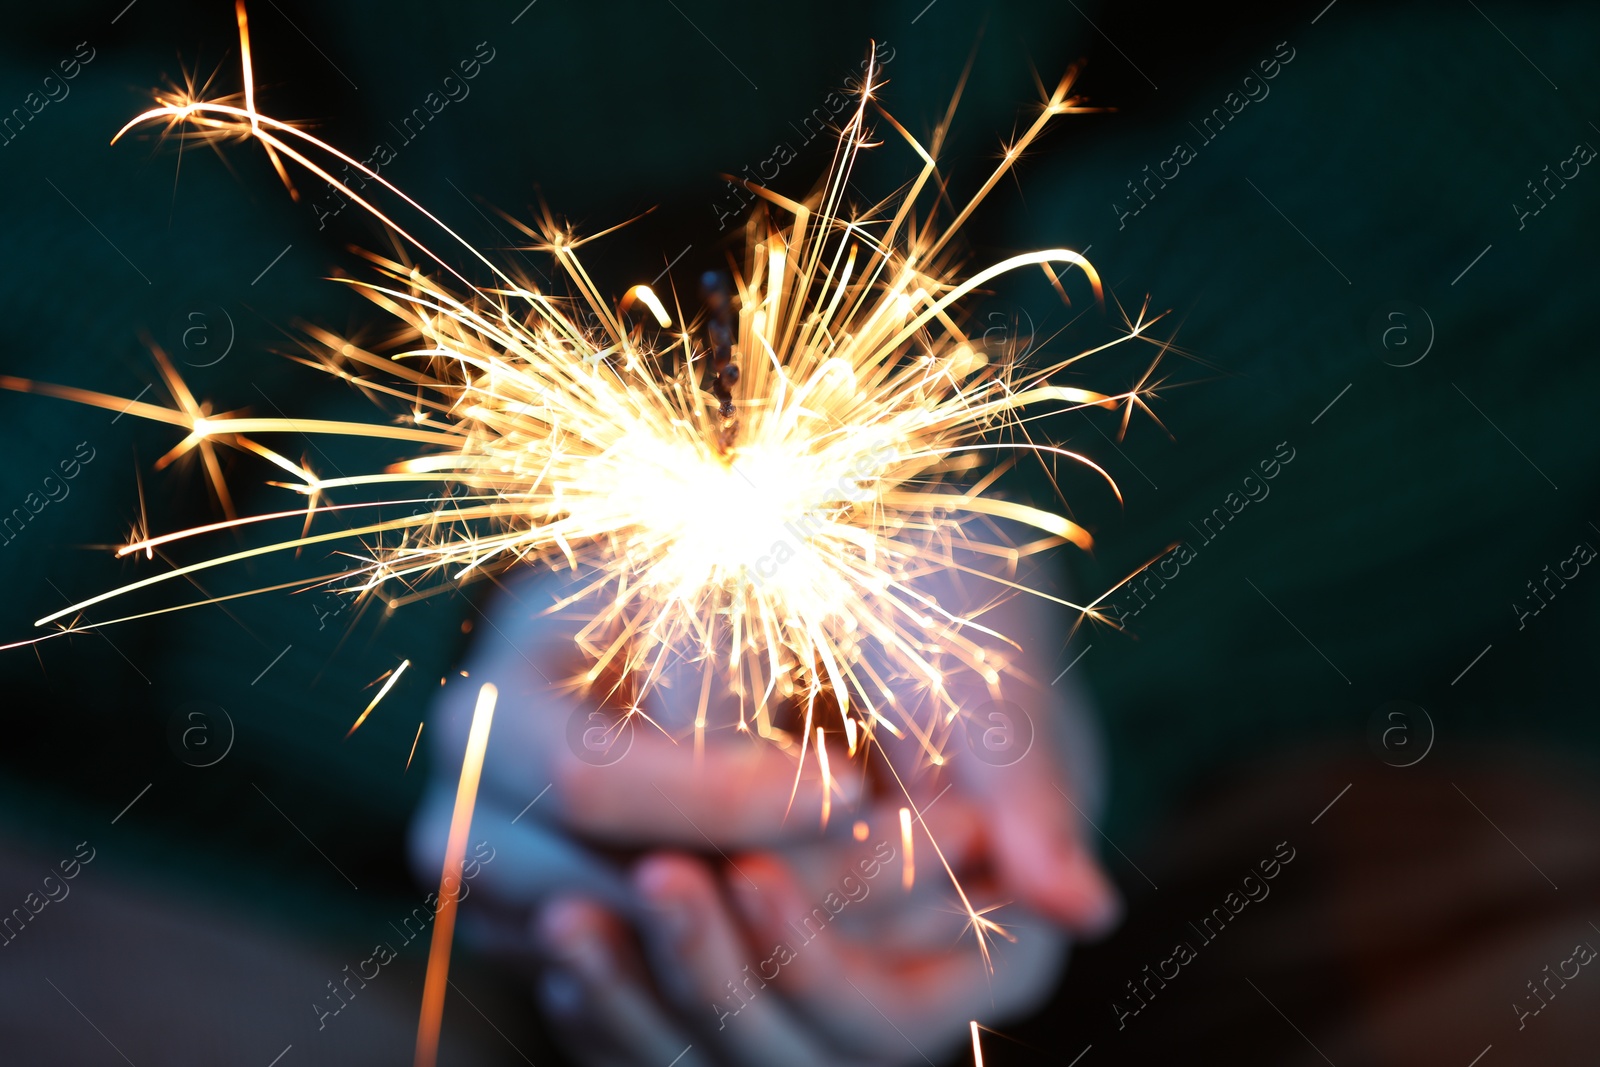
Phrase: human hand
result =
(812, 956)
(1027, 849)
(565, 790)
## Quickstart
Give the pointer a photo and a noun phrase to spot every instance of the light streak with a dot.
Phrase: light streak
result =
(782, 546)
(444, 922)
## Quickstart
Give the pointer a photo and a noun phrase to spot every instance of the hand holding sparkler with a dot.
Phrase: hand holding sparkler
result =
(642, 941)
(783, 559)
(769, 981)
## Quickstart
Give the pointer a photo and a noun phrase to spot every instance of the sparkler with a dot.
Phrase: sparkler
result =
(764, 506)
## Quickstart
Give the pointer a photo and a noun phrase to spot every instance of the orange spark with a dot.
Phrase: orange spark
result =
(444, 923)
(414, 741)
(782, 547)
(393, 678)
(908, 865)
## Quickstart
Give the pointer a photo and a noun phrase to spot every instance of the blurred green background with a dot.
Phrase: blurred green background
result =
(1384, 158)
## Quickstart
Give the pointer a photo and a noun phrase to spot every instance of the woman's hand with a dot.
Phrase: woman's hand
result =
(604, 841)
(816, 955)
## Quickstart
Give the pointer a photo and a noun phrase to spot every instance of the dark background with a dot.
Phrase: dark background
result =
(1387, 557)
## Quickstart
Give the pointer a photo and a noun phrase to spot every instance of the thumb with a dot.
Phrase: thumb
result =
(1040, 834)
(1043, 858)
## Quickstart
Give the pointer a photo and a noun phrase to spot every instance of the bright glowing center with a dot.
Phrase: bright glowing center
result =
(689, 519)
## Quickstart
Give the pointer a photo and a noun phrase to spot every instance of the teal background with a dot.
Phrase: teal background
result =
(1396, 540)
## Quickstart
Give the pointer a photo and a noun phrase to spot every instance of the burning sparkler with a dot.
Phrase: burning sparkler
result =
(764, 505)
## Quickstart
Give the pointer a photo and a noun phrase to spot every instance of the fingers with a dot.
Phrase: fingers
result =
(514, 862)
(1032, 761)
(640, 782)
(890, 1006)
(1022, 760)
(740, 793)
(1034, 831)
(704, 969)
(1037, 837)
(1011, 758)
(870, 869)
(594, 993)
